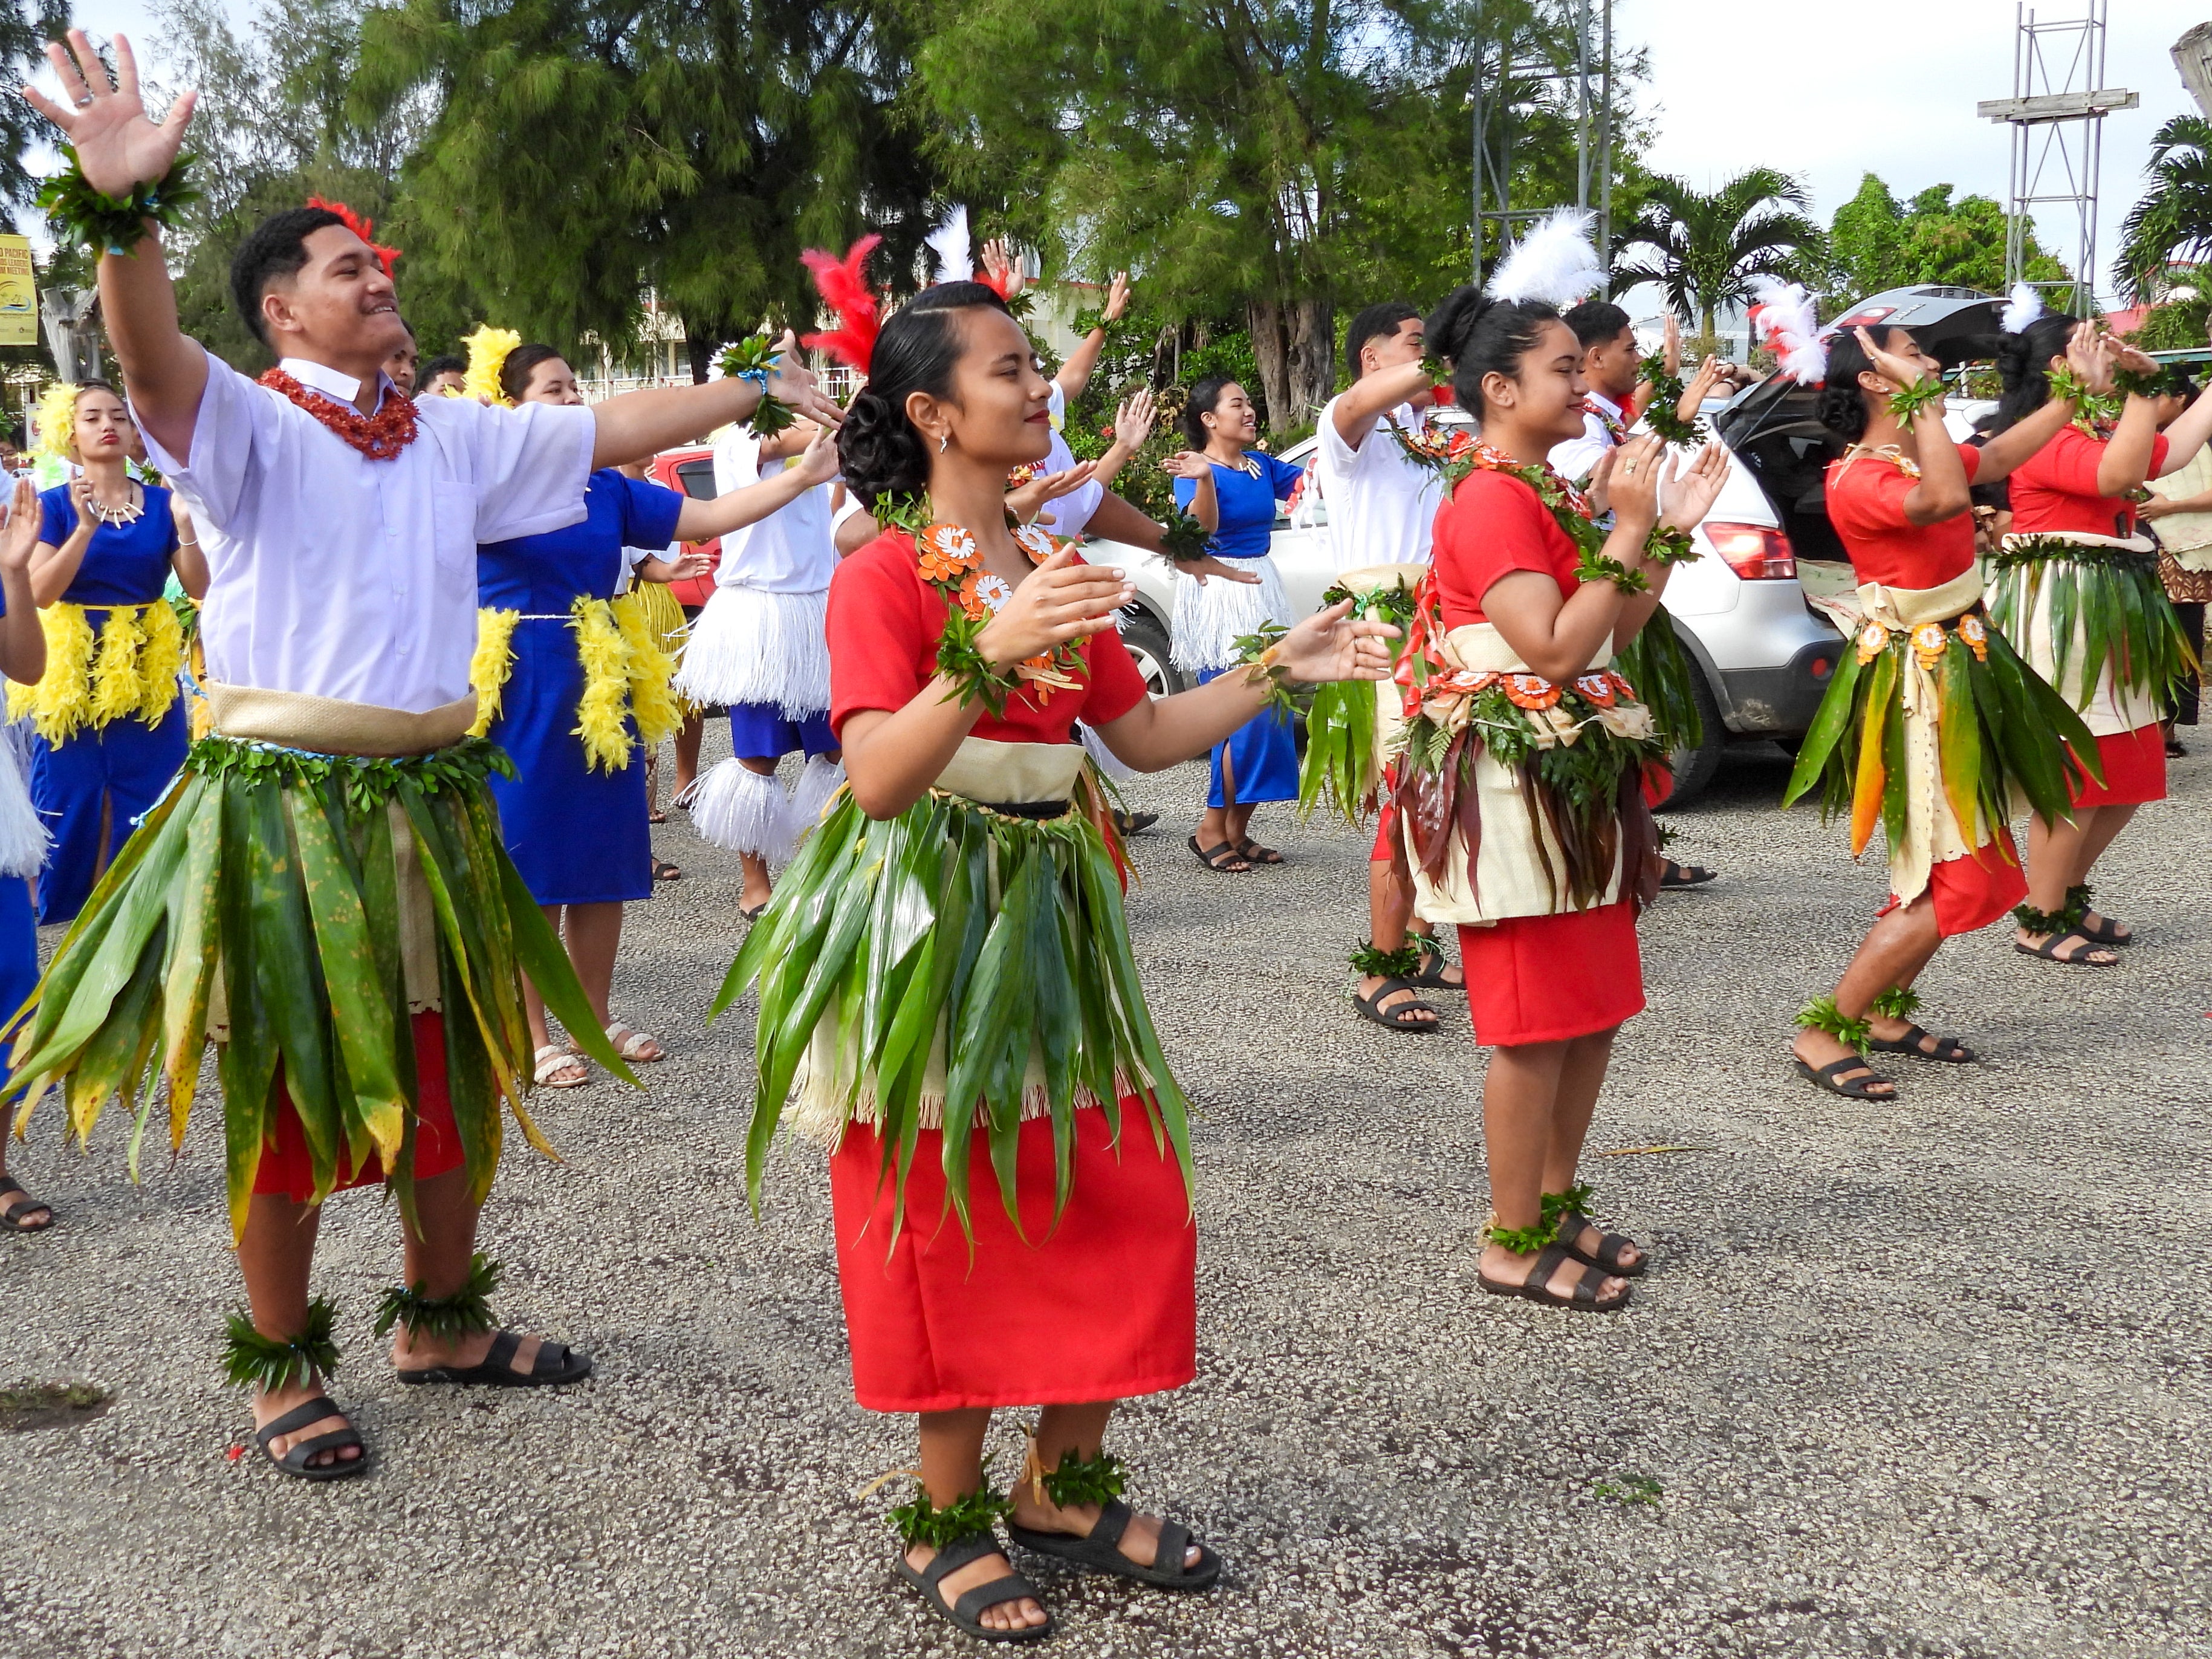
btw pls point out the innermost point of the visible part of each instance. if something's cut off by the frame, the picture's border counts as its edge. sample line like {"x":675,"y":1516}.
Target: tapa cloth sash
{"x":1933,"y":834}
{"x":2109,"y":707}
{"x":986,"y":771}
{"x":1509,"y":877}
{"x":332,"y":725}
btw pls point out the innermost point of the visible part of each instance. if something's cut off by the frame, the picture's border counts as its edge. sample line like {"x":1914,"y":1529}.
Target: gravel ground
{"x":1919,"y":1380}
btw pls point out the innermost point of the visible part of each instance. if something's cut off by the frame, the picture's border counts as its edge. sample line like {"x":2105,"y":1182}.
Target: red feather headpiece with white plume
{"x":843,"y":286}
{"x":360,"y":227}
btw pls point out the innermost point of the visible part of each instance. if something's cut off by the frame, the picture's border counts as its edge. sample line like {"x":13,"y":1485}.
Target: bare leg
{"x":687,"y":737}
{"x":1521,"y":1119}
{"x":437,"y":1263}
{"x":1389,"y":912}
{"x":1895,"y":949}
{"x":756,"y":887}
{"x":1079,"y":1429}
{"x":2057,"y":854}
{"x":951,"y":1468}
{"x":1581,"y":1078}
{"x":1215,"y":826}
{"x":2110,"y":821}
{"x":276,"y":1254}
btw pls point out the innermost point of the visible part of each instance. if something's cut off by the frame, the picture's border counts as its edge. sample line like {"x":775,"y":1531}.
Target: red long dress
{"x":2054,"y":492}
{"x":1102,"y":1307}
{"x":1529,"y":979}
{"x":1866,"y":504}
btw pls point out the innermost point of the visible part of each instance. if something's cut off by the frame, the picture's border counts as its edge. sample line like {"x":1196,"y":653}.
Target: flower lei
{"x":379,"y":436}
{"x":947,"y":558}
{"x":113,"y":224}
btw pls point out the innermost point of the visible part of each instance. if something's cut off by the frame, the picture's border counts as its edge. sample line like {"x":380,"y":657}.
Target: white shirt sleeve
{"x":1338,"y":459}
{"x":1573,"y":459}
{"x":1068,"y":515}
{"x":230,"y":440}
{"x":528,"y":465}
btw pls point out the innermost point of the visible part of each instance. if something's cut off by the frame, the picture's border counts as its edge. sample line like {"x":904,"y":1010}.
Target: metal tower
{"x":2057,"y":113}
{"x":1517,"y":62}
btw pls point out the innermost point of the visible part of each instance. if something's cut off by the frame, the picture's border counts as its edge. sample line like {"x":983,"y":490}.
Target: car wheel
{"x":1148,"y":643}
{"x":1694,"y":767}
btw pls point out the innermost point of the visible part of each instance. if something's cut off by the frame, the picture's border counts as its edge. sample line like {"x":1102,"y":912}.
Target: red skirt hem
{"x":1548,"y":979}
{"x":1975,"y":889}
{"x":287,"y":1171}
{"x":2135,"y":770}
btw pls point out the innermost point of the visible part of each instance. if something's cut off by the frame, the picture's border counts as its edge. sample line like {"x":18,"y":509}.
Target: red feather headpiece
{"x":995,"y":281}
{"x":843,"y":285}
{"x":360,"y":227}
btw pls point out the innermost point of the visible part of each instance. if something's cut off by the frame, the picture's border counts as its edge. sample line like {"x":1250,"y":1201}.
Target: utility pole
{"x":1589,"y":79}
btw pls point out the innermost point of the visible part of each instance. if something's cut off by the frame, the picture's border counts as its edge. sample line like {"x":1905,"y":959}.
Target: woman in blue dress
{"x":108,"y":722}
{"x":1232,"y":491}
{"x":573,"y":683}
{"x":22,"y":836}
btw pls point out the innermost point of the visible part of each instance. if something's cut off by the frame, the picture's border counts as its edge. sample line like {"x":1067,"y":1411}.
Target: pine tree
{"x":25,"y":25}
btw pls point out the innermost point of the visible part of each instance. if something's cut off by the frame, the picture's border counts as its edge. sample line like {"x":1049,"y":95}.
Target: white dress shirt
{"x":793,"y":549}
{"x":336,"y":575}
{"x":1382,"y":506}
{"x":1573,"y":459}
{"x":1071,"y":514}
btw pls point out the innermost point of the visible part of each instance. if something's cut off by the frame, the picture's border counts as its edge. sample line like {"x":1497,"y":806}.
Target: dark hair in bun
{"x":1481,"y":336}
{"x":879,"y":450}
{"x":2024,"y":361}
{"x":521,"y":363}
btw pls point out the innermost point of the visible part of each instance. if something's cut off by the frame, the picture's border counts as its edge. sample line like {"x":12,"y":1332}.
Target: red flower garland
{"x":379,"y":436}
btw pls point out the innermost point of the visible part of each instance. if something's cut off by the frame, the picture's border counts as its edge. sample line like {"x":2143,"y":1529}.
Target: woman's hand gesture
{"x":791,"y":383}
{"x":80,"y":499}
{"x":1199,"y":569}
{"x":1062,"y":599}
{"x":1026,"y":502}
{"x":1132,"y":420}
{"x":1187,"y":464}
{"x":1900,"y":372}
{"x":22,"y":533}
{"x":1690,"y":496}
{"x":1640,"y":467}
{"x":818,"y":462}
{"x":1333,"y":645}
{"x":106,"y":121}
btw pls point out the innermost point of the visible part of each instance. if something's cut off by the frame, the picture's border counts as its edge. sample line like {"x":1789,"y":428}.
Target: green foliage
{"x":1876,"y":242}
{"x":466,"y":1312}
{"x":1703,"y":247}
{"x":2172,"y":222}
{"x":253,"y":1360}
{"x":1635,"y":1489}
{"x":25,"y":25}
{"x":2178,"y":325}
{"x":920,"y":1522}
{"x":1083,"y":1480}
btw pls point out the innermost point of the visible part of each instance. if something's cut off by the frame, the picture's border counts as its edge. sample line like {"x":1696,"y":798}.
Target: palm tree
{"x":1706,"y":246}
{"x":2173,"y":221}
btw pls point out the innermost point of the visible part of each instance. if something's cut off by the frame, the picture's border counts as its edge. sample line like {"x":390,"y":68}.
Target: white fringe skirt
{"x":23,"y":836}
{"x":1209,"y":619}
{"x":752,"y":645}
{"x":734,"y":807}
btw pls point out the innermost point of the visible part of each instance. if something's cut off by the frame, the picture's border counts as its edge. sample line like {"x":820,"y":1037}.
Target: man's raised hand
{"x":106,"y":122}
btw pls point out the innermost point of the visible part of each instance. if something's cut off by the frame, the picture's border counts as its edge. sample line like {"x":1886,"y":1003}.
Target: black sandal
{"x":753,"y":914}
{"x":10,"y":1216}
{"x":1947,"y":1049}
{"x":2082,"y":958}
{"x":964,"y":1613}
{"x":1609,"y":1247}
{"x":1217,"y":858}
{"x":1430,"y":974}
{"x":2106,"y":932}
{"x":1537,"y":1287}
{"x":1684,"y":875}
{"x":295,"y":1461}
{"x":1827,"y":1077}
{"x":664,"y":871}
{"x":1393,"y":1018}
{"x":1252,"y":853}
{"x":1099,"y":1549}
{"x":497,"y":1369}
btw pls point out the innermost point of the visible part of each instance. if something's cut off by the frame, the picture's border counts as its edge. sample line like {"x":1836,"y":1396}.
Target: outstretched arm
{"x":1075,"y":374}
{"x":119,"y":149}
{"x":639,"y":424}
{"x":701,"y":521}
{"x":22,"y":637}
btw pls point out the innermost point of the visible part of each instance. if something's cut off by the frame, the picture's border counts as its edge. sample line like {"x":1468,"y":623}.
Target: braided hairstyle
{"x":521,"y":363}
{"x":879,"y":449}
{"x":2024,"y":361}
{"x":1480,"y":336}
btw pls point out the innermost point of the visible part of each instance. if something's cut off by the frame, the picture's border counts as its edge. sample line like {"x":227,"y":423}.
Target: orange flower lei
{"x":947,"y":558}
{"x":379,"y":436}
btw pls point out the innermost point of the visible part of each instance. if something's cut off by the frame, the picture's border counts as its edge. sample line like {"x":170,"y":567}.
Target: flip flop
{"x":1393,"y":1018}
{"x":294,"y":1461}
{"x":1252,"y":853}
{"x":11,"y":1215}
{"x":965,"y":1614}
{"x":664,"y":871}
{"x":1685,"y":875}
{"x":552,"y":1057}
{"x":1829,"y":1077}
{"x":1948,"y":1050}
{"x":1216,"y":858}
{"x":496,"y":1370}
{"x":2082,"y":958}
{"x":1099,"y":1549}
{"x":1537,"y":1287}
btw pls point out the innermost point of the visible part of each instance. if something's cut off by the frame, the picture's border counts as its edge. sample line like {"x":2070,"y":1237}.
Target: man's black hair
{"x":446,"y":363}
{"x":1382,"y":318}
{"x":1595,"y":322}
{"x":277,"y":248}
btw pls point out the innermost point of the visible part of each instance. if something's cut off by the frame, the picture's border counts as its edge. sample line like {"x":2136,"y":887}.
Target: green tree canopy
{"x":2172,"y":222}
{"x":25,"y":25}
{"x":1875,"y":242}
{"x":578,"y":152}
{"x":1704,"y":247}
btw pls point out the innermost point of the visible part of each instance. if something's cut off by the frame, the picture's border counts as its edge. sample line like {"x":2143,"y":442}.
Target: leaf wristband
{"x":1662,"y":417}
{"x":2135,"y":383}
{"x":1183,"y":539}
{"x":1910,"y":401}
{"x":1668,"y":545}
{"x":1596,"y":567}
{"x":752,"y":359}
{"x":86,"y":217}
{"x":1256,"y":653}
{"x":960,"y":661}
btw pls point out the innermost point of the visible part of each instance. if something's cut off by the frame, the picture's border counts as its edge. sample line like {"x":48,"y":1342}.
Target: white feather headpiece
{"x":1788,"y":326}
{"x":956,"y":262}
{"x":2022,"y":309}
{"x":1555,"y":262}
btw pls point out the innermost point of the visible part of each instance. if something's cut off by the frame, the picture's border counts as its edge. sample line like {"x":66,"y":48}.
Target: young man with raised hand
{"x":341,"y":917}
{"x":1381,"y":508}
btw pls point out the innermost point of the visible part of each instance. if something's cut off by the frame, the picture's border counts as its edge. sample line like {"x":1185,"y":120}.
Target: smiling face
{"x":1614,"y":366}
{"x":338,"y":309}
{"x":998,"y":412}
{"x":103,"y":428}
{"x":1898,"y":343}
{"x":1543,"y":397}
{"x":551,"y":382}
{"x":1232,"y":419}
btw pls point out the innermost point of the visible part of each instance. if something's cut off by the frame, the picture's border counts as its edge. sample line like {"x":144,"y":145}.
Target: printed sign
{"x":19,"y":293}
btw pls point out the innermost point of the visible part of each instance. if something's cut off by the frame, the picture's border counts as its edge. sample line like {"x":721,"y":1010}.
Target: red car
{"x":692,"y":471}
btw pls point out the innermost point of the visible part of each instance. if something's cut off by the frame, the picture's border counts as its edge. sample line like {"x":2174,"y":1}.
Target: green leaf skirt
{"x":952,"y":954}
{"x":265,"y":894}
{"x":1657,"y":665}
{"x":2108,"y":607}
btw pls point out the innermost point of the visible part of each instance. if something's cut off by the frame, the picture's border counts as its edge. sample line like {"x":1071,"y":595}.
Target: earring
{"x":943,"y":438}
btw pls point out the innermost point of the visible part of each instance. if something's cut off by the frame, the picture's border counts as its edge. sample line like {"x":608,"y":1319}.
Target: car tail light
{"x":1756,"y":552}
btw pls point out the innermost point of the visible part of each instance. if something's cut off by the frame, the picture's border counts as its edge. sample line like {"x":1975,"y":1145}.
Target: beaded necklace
{"x":379,"y":436}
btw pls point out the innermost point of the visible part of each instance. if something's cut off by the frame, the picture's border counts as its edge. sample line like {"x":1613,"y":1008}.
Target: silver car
{"x":1767,"y":655}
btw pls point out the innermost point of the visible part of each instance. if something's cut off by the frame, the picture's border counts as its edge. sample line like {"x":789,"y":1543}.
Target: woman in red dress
{"x":948,"y":954}
{"x":1899,"y":498}
{"x":2076,"y":589}
{"x":1519,"y":786}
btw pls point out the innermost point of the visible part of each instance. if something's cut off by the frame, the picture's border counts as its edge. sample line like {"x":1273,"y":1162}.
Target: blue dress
{"x":1262,"y":754}
{"x":126,"y":765}
{"x":578,"y":837}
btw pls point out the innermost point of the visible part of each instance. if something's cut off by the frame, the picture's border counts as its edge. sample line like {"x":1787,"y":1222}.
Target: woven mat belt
{"x":332,"y":725}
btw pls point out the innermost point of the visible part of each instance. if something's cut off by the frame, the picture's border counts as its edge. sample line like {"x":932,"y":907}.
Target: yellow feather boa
{"x":488,"y":352}
{"x":130,"y":671}
{"x":626,"y":675}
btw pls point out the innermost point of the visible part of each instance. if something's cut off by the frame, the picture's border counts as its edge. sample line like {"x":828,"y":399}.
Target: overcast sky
{"x":1737,"y":82}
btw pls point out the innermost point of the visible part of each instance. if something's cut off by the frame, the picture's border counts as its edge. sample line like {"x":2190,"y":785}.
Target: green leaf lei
{"x":1402,"y":963}
{"x":2048,"y":922}
{"x":1898,"y":1002}
{"x":959,"y":661}
{"x":366,"y":782}
{"x":1184,"y":539}
{"x":753,"y":359}
{"x":920,"y":1522}
{"x":263,"y":1362}
{"x":1821,"y":1014}
{"x":466,"y":1312}
{"x":907,"y":510}
{"x":1573,"y":1201}
{"x":1668,"y":545}
{"x":1667,"y":391}
{"x":85,"y":217}
{"x":2092,"y":409}
{"x":2135,"y":383}
{"x":1920,"y":395}
{"x":1518,"y":1241}
{"x":1081,"y":1480}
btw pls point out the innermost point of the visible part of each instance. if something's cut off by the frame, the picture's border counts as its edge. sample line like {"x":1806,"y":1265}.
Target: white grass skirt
{"x":1209,"y":619}
{"x":752,"y":645}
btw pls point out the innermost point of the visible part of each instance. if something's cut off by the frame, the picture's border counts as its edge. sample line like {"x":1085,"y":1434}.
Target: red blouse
{"x":1493,"y":525}
{"x":884,"y":622}
{"x":2055,"y":489}
{"x":1866,"y":504}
